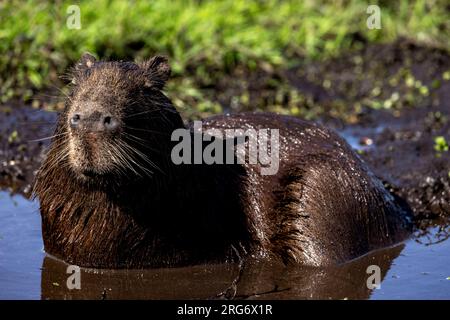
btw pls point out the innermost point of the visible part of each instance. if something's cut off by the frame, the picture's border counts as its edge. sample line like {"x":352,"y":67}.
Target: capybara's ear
{"x":157,"y":72}
{"x":86,"y":61}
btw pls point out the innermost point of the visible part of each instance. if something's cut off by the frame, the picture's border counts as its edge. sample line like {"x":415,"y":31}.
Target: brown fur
{"x":101,"y":210}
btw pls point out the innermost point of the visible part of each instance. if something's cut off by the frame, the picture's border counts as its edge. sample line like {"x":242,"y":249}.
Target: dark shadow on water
{"x":260,"y":280}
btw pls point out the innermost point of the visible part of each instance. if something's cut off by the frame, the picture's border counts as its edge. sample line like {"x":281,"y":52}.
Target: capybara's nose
{"x":94,"y":122}
{"x":109,"y":123}
{"x":75,"y":120}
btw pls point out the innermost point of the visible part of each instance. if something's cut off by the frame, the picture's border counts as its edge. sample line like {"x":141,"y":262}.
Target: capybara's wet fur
{"x":111,"y":197}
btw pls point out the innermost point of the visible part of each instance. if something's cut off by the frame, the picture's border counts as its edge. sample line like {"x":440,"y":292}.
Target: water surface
{"x":416,"y":269}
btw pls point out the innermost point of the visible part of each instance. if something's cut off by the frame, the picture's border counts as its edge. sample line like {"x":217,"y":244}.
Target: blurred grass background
{"x":205,"y":40}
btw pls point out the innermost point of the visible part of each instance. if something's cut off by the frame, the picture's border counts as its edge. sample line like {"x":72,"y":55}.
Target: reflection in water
{"x":260,"y":280}
{"x":436,"y":232}
{"x":417,"y":269}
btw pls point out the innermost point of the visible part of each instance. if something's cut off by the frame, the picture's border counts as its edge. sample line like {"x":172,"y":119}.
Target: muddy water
{"x":416,"y":269}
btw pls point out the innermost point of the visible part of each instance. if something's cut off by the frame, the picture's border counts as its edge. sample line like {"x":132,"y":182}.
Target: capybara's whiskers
{"x":141,"y":113}
{"x":141,"y":156}
{"x":141,"y":142}
{"x":149,"y":131}
{"x":129,"y":161}
{"x":48,"y":138}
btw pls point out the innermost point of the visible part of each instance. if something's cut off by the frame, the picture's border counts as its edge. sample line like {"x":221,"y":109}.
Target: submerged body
{"x":112,"y":198}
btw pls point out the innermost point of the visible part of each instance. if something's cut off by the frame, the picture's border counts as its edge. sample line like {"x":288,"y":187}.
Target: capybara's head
{"x":117,"y":121}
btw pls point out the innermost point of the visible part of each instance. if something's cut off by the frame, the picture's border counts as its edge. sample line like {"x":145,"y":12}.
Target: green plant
{"x":205,"y":40}
{"x":440,"y":144}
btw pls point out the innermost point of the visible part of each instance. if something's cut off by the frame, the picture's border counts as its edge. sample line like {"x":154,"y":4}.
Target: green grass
{"x":204,"y":39}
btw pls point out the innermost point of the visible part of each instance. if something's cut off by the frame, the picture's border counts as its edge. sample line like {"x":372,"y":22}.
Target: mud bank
{"x":405,"y":157}
{"x":24,"y":133}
